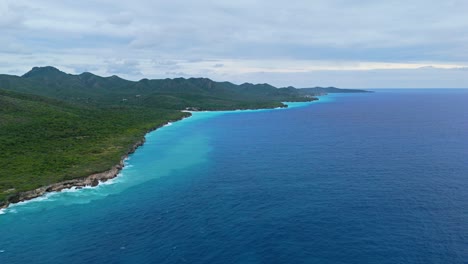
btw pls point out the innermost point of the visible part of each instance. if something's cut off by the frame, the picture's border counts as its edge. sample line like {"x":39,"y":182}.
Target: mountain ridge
{"x":90,"y":88}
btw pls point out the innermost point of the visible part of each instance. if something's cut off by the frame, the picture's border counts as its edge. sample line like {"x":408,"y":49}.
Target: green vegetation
{"x":177,"y":94}
{"x":46,"y":141}
{"x":56,"y":126}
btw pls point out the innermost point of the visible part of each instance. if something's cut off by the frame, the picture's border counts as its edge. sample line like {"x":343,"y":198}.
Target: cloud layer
{"x":301,"y":43}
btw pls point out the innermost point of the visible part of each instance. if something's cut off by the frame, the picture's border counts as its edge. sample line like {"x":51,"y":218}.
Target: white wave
{"x":72,"y":190}
{"x":168,"y":124}
{"x":52,"y":196}
{"x":44,"y":197}
{"x":108,"y":182}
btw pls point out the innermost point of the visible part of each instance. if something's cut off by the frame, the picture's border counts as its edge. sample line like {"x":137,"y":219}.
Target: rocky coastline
{"x":96,"y":178}
{"x":90,"y":180}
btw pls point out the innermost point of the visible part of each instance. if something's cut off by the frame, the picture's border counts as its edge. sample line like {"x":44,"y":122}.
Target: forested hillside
{"x":44,"y":141}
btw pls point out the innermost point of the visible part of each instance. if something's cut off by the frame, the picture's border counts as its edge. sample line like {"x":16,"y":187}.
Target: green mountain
{"x":178,"y":93}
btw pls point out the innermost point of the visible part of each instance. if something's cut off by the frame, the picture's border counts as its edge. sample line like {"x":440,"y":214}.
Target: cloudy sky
{"x":367,"y":44}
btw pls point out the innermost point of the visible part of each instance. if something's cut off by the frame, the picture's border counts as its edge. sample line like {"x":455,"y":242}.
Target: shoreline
{"x":95,"y":179}
{"x":92,"y":180}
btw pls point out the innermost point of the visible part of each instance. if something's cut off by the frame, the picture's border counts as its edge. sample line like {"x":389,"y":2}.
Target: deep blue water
{"x":359,"y":178}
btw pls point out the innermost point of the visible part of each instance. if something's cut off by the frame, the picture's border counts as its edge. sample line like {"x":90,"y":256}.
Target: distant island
{"x":60,"y":130}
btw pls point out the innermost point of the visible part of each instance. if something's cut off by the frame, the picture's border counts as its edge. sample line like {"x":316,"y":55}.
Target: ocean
{"x":353,"y":178}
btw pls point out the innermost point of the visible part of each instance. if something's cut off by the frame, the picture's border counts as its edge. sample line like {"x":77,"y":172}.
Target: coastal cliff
{"x":58,"y":127}
{"x":90,"y":180}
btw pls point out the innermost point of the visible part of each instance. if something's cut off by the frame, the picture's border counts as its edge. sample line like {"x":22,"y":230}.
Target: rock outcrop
{"x":91,"y":180}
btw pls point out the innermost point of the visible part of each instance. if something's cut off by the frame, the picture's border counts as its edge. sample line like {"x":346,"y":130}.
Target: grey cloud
{"x":164,"y":62}
{"x":125,"y":67}
{"x":195,"y":60}
{"x":177,"y":74}
{"x":186,"y":31}
{"x":11,"y":45}
{"x":392,"y":78}
{"x":121,"y":19}
{"x":11,"y":15}
{"x":80,"y":68}
{"x":246,"y":28}
{"x":162,"y":65}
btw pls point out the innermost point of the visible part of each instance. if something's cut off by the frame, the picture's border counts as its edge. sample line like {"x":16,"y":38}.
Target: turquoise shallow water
{"x":176,"y":146}
{"x":361,"y":178}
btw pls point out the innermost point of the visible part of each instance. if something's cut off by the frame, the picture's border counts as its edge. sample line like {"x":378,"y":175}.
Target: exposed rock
{"x":94,"y":183}
{"x":91,"y":180}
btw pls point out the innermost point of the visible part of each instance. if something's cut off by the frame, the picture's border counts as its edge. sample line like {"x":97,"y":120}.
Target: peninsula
{"x":60,"y":130}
